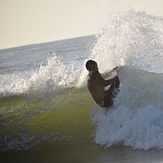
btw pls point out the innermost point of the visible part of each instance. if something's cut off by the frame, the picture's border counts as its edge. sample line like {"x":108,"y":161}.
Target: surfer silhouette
{"x":96,"y":85}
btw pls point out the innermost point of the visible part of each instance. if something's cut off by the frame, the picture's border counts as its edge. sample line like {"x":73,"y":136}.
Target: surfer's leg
{"x":111,"y":93}
{"x":108,"y":96}
{"x":108,"y":101}
{"x":113,"y":88}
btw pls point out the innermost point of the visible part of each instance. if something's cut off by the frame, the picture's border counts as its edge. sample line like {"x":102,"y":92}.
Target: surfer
{"x":96,"y":85}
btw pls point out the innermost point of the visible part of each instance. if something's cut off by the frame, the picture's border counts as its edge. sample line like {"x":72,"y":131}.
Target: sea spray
{"x":130,"y":38}
{"x":49,"y":77}
{"x":134,"y":42}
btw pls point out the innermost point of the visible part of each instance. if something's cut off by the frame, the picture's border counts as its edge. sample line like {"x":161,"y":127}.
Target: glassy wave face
{"x":41,"y":98}
{"x":43,"y":94}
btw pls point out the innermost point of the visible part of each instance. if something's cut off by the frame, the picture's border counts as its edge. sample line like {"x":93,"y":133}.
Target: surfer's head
{"x":90,"y":65}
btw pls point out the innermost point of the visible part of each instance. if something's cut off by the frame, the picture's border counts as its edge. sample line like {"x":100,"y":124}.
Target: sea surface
{"x":48,"y":116}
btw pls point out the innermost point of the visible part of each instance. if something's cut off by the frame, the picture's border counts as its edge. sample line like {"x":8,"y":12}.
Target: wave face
{"x":134,"y":42}
{"x":41,"y":101}
{"x":50,"y":102}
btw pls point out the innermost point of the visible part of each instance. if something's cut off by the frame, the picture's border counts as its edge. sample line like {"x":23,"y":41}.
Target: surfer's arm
{"x":107,"y":74}
{"x":110,"y":81}
{"x":105,"y":82}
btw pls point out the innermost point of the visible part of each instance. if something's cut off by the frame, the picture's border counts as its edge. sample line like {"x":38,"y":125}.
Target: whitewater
{"x":44,"y":96}
{"x":133,"y":41}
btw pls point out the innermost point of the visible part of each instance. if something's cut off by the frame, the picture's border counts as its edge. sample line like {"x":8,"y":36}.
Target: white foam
{"x":134,"y":41}
{"x":48,"y":78}
{"x":130,"y":38}
{"x":140,"y":128}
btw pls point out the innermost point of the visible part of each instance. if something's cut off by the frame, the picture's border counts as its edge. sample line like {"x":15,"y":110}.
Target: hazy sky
{"x":25,"y":22}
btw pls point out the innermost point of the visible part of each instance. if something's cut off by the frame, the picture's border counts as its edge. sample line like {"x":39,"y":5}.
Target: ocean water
{"x":48,"y":115}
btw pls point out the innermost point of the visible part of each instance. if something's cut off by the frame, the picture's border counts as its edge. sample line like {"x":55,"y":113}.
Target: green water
{"x":64,"y":116}
{"x":63,"y":132}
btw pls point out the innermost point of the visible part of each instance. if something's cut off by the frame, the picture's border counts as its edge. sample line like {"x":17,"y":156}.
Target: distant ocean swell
{"x":53,"y":104}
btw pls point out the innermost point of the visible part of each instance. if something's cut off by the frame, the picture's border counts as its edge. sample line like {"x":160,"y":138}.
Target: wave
{"x":46,"y":105}
{"x":136,"y":117}
{"x":53,"y":103}
{"x":133,"y":41}
{"x":63,"y":117}
{"x":48,"y":77}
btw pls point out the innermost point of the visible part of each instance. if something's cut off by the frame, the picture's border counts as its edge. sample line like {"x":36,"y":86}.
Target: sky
{"x":24,"y":22}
